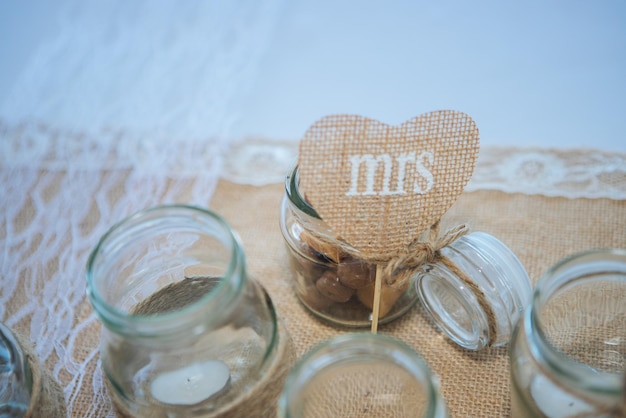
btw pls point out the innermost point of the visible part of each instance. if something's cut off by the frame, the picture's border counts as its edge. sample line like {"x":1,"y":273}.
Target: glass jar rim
{"x":306,"y":213}
{"x":343,"y":348}
{"x":546,"y":353}
{"x":12,"y":348}
{"x":292,"y":181}
{"x":167,"y":321}
{"x":475,"y":336}
{"x":16,"y":361}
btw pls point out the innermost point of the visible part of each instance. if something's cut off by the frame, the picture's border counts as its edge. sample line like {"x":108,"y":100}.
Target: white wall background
{"x":531,"y":73}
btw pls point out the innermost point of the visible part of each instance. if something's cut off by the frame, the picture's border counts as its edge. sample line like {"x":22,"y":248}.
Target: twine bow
{"x":423,"y":252}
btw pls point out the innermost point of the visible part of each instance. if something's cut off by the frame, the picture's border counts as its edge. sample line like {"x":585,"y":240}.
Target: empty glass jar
{"x":331,"y":283}
{"x":484,"y":312}
{"x":568,"y":353}
{"x":361,"y":375}
{"x":186,"y":332}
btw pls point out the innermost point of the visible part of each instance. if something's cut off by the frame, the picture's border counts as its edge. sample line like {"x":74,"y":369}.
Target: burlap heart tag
{"x":379,"y":186}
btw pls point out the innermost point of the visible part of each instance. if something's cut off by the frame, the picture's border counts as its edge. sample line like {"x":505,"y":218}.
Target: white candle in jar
{"x":555,"y":402}
{"x":191,"y":384}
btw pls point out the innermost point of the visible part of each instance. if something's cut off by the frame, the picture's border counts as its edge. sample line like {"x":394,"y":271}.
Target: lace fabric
{"x":574,"y":173}
{"x":565,"y":173}
{"x":168,"y":69}
{"x":45,"y":241}
{"x":556,"y":173}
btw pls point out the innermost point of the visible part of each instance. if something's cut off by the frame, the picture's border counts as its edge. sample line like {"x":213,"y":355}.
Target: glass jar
{"x":27,"y":389}
{"x":568,"y":353}
{"x":364,"y":375}
{"x":15,"y":376}
{"x":186,"y":332}
{"x":484,"y":312}
{"x":329,"y":277}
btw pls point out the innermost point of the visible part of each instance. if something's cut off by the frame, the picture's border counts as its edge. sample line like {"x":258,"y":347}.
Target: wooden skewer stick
{"x":376,"y":308}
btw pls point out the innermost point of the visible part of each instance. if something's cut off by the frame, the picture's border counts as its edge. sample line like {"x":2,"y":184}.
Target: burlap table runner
{"x":540,"y":230}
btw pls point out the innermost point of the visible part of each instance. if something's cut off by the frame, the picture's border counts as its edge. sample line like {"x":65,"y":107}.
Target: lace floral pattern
{"x":258,"y":161}
{"x":571,"y":173}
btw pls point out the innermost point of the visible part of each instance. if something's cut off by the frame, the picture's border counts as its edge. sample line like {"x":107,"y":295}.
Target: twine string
{"x":423,"y":252}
